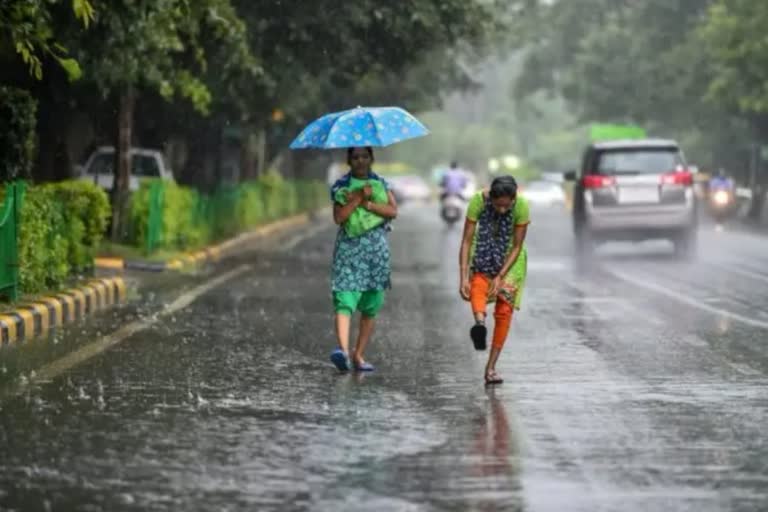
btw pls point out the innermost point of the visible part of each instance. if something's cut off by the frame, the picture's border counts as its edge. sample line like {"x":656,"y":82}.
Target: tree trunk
{"x":120,"y":187}
{"x":247,"y":154}
{"x":261,"y":145}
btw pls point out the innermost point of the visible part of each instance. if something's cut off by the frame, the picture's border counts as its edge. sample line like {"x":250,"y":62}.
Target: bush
{"x":86,"y":211}
{"x":272,"y":185}
{"x":62,"y":225}
{"x":184,"y":218}
{"x":42,"y":244}
{"x":191,"y":219}
{"x":251,"y":210}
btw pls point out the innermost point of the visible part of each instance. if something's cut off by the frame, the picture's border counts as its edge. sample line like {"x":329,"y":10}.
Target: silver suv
{"x":634,"y":190}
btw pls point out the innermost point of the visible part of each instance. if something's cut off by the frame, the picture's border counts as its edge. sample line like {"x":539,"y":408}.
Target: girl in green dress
{"x":361,"y":261}
{"x":493,"y":263}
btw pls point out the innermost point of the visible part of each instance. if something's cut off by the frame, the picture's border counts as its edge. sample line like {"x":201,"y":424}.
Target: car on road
{"x":634,"y":190}
{"x":409,"y":188}
{"x":543,"y":193}
{"x":145,"y":163}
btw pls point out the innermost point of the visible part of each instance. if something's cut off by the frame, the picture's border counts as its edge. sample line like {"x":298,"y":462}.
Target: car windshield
{"x":141,"y":165}
{"x":103,"y":163}
{"x":639,"y":161}
{"x":145,"y":166}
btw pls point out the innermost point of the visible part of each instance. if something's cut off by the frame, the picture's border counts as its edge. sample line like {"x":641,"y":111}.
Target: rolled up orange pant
{"x":478,"y":297}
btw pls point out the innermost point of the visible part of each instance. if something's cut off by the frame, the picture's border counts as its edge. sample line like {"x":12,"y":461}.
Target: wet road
{"x":641,"y":385}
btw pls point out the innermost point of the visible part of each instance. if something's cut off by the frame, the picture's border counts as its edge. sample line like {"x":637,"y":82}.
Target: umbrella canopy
{"x":358,"y":127}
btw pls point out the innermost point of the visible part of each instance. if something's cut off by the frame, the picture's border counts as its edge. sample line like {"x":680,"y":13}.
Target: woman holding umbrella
{"x":363,"y":206}
{"x":361,"y":263}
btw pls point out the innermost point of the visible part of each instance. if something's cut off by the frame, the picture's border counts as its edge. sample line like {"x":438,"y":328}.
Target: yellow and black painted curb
{"x":36,"y":318}
{"x":210,"y":254}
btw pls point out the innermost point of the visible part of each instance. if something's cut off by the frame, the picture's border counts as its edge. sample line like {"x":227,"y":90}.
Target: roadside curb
{"x":32,"y":319}
{"x":209,"y":254}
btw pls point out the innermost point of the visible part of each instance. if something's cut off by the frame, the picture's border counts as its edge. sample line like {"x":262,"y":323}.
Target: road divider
{"x":36,"y":317}
{"x":209,"y":254}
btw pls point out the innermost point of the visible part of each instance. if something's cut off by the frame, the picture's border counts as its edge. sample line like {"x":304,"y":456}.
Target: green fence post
{"x":10,"y":218}
{"x":155,"y":221}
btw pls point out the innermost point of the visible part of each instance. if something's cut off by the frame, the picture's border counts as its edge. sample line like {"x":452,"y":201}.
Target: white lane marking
{"x":689,"y":301}
{"x":296,"y":240}
{"x":300,"y":237}
{"x":56,"y":368}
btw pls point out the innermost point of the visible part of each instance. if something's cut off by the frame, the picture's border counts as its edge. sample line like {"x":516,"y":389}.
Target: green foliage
{"x":334,"y":56}
{"x":86,"y":213}
{"x":273,"y":186}
{"x":30,"y":27}
{"x":42,"y":246}
{"x":17,"y":133}
{"x":182,"y":217}
{"x":251,"y":210}
{"x":655,"y":63}
{"x":77,"y":214}
{"x":734,"y":34}
{"x":62,"y":224}
{"x":192,"y":220}
{"x":163,"y":45}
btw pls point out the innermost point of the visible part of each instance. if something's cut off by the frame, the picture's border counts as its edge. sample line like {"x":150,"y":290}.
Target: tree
{"x":640,"y":62}
{"x":26,"y":26}
{"x":158,"y":46}
{"x":734,"y":38}
{"x":331,"y":56}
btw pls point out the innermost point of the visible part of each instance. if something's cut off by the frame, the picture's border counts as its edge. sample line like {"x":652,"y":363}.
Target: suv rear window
{"x":638,"y":161}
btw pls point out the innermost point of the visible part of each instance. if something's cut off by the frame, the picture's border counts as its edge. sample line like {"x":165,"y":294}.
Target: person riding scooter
{"x":722,"y":198}
{"x":454,"y":182}
{"x":720,"y":181}
{"x":452,"y":202}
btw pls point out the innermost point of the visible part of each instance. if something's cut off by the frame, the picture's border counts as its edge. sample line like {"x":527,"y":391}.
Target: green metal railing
{"x":10,"y":211}
{"x":225,"y":212}
{"x":155,"y":221}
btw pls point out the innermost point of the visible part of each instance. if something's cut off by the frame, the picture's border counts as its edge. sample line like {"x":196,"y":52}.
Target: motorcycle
{"x":452,"y":208}
{"x":722,"y":204}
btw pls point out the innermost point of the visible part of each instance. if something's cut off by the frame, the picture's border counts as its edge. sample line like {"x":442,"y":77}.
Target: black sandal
{"x":492,"y":378}
{"x":479,"y":333}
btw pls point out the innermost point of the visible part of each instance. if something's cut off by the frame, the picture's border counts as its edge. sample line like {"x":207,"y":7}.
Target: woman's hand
{"x":355,"y":197}
{"x":495,"y":286}
{"x":367,"y":192}
{"x":465,"y":289}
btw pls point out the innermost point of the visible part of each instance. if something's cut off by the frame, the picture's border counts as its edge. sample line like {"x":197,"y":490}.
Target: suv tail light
{"x":598,"y":181}
{"x":678,"y":177}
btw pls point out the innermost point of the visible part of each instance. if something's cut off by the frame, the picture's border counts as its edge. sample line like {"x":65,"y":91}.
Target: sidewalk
{"x":36,"y":317}
{"x":209,"y":254}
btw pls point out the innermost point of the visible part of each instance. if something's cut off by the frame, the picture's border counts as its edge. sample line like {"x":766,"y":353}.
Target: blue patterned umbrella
{"x":375,"y":126}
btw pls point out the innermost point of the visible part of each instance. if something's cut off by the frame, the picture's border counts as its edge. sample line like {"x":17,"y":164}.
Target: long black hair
{"x":349,"y":154}
{"x":503,"y":186}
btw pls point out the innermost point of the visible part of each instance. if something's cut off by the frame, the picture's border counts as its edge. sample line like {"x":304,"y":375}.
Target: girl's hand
{"x":464,"y":290}
{"x":495,"y":287}
{"x":367,"y":192}
{"x":355,"y":197}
